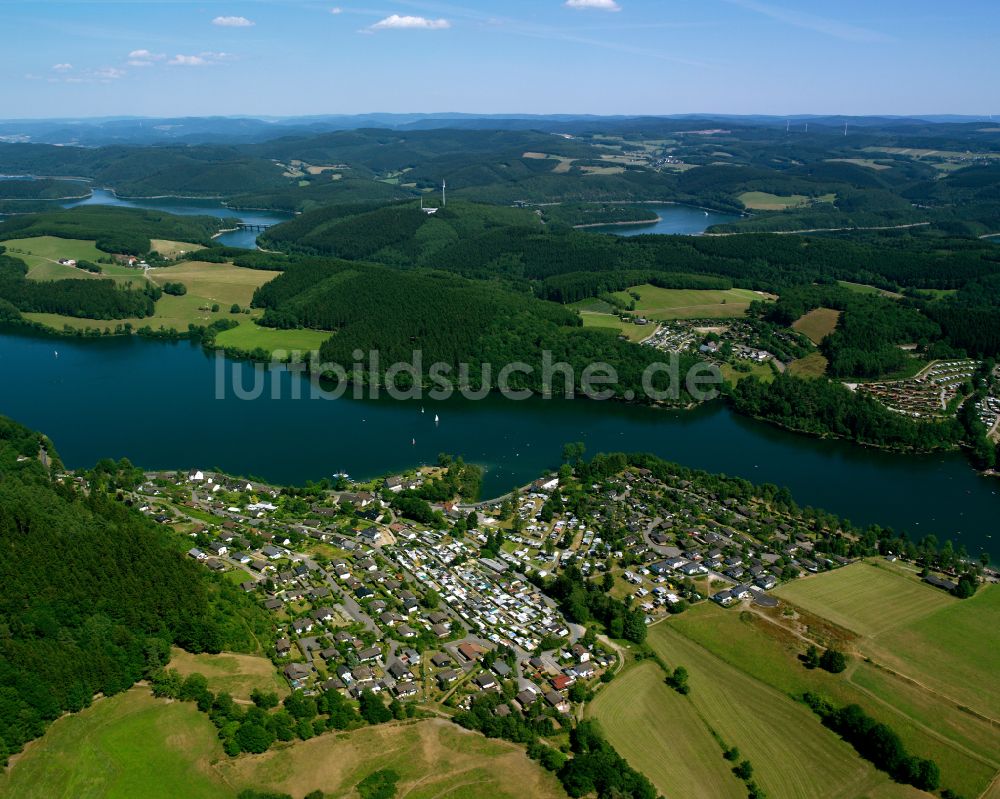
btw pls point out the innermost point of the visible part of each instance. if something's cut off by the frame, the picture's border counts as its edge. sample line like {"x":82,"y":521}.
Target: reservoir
{"x":155,"y":403}
{"x":186,"y":207}
{"x":678,"y":220}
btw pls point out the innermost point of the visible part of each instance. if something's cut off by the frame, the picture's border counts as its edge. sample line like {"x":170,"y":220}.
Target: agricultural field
{"x":660,"y":733}
{"x":817,"y":324}
{"x":207,"y":285}
{"x":870,"y":163}
{"x":864,"y":288}
{"x":233,"y":673}
{"x":249,"y":336}
{"x":631,"y":331}
{"x":952,"y":650}
{"x":42,"y":256}
{"x":763,"y":201}
{"x":433,"y":758}
{"x":792,"y":753}
{"x":766,"y":645}
{"x":762,"y":371}
{"x":133,"y":745}
{"x":657,"y":303}
{"x":813,"y":365}
{"x":865,"y":598}
{"x":222,"y":283}
{"x":173,"y":249}
{"x":126,"y":746}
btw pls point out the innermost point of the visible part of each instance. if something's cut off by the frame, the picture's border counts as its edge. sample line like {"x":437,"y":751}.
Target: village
{"x":367,"y":600}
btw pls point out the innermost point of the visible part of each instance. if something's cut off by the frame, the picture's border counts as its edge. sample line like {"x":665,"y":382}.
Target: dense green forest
{"x":873,"y":176}
{"x":115,"y":229}
{"x":825,"y":407}
{"x":86,"y":297}
{"x":450,"y":320}
{"x":94,"y":594}
{"x":43,"y":189}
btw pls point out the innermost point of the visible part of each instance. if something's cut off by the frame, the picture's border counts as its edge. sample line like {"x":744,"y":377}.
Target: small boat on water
{"x":413,"y":442}
{"x":436,"y":418}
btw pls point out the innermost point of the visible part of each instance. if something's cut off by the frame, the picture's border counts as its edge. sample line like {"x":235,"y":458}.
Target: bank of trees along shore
{"x":95,"y":594}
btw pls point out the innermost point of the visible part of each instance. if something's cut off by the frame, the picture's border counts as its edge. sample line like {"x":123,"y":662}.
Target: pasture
{"x":764,"y":201}
{"x":864,"y":288}
{"x":766,"y":646}
{"x":126,"y":746}
{"x":870,"y":163}
{"x":173,"y":249}
{"x":813,"y":365}
{"x":221,"y":283}
{"x":865,"y":598}
{"x":660,"y":733}
{"x":631,"y":331}
{"x":762,"y":371}
{"x":657,"y":303}
{"x":817,"y":324}
{"x":952,"y":649}
{"x":792,"y":753}
{"x":434,"y":758}
{"x":249,"y":336}
{"x":233,"y":673}
{"x":42,"y":256}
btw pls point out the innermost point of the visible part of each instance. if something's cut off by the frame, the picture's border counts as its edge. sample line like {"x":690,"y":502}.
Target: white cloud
{"x":599,"y":5}
{"x":187,"y":61}
{"x":233,"y":22}
{"x":336,"y":10}
{"x":396,"y":22}
{"x":201,"y":60}
{"x":62,"y":67}
{"x":144,"y":58}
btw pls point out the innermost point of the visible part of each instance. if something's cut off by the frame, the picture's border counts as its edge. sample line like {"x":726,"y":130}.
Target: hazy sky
{"x":174,"y":57}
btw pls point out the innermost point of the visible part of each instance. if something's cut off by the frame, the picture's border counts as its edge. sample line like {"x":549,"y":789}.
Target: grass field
{"x":207,"y":284}
{"x":172,"y":249}
{"x":865,"y":598}
{"x":133,"y":746}
{"x":42,"y":254}
{"x":236,"y":674}
{"x":817,"y":324}
{"x":762,"y":371}
{"x":866,"y":162}
{"x":249,"y":336}
{"x":792,"y":753}
{"x":763,"y":201}
{"x":434,"y":758}
{"x":611,"y":322}
{"x":657,"y":303}
{"x":813,"y":365}
{"x":124,"y":747}
{"x":952,"y":650}
{"x":864,"y":288}
{"x":221,"y":283}
{"x":660,"y":733}
{"x":964,"y":746}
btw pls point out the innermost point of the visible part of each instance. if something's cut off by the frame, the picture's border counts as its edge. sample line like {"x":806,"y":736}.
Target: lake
{"x":186,"y":207}
{"x":677,"y":220}
{"x":154,"y":402}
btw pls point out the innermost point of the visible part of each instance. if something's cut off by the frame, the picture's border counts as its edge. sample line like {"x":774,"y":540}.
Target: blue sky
{"x":174,"y":57}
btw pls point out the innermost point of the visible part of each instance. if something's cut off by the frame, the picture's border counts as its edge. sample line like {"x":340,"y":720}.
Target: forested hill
{"x":94,"y":594}
{"x":113,"y":228}
{"x":448,"y":319}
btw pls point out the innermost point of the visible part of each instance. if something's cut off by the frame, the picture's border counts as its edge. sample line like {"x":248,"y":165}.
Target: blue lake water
{"x":155,"y":403}
{"x":682,"y":220}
